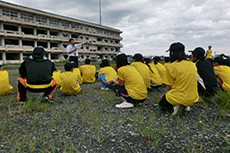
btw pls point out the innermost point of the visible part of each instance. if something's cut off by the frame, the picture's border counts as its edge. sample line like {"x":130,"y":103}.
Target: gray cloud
{"x":151,"y":26}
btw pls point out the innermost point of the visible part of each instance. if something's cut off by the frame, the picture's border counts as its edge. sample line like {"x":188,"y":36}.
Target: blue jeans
{"x":103,"y":81}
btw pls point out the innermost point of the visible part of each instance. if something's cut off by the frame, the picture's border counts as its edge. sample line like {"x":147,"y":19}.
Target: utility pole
{"x":100,"y":12}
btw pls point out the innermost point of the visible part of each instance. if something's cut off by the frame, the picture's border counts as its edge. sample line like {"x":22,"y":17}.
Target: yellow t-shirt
{"x":69,"y":84}
{"x":5,"y":87}
{"x":144,"y":72}
{"x":182,"y":76}
{"x":88,"y":73}
{"x":161,"y":69}
{"x":169,"y":63}
{"x":155,"y":76}
{"x":77,"y":72}
{"x":223,"y":72}
{"x":56,"y":77}
{"x":109,"y":73}
{"x":209,"y":54}
{"x":133,"y":82}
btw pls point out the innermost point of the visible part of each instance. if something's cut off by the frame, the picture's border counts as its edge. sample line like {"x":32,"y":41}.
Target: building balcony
{"x":57,"y":27}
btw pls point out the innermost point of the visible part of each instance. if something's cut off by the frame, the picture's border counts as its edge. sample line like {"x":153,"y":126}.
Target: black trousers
{"x":74,"y":59}
{"x":121,"y":91}
{"x":22,"y":89}
{"x":163,"y":103}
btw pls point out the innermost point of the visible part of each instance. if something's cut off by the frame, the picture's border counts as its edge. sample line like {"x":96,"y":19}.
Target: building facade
{"x":23,"y":28}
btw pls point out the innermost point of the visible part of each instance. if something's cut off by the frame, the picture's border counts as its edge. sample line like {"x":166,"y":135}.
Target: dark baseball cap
{"x":198,"y":51}
{"x":1,"y":64}
{"x":176,"y":47}
{"x":138,"y":57}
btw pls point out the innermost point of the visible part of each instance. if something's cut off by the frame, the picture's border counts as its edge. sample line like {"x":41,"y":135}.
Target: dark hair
{"x":167,"y":59}
{"x":87,"y":61}
{"x":138,"y":57}
{"x":147,"y":61}
{"x":156,"y":59}
{"x":121,"y":60}
{"x":71,"y":39}
{"x":68,"y":66}
{"x":177,"y":56}
{"x":226,"y":60}
{"x":105,"y":62}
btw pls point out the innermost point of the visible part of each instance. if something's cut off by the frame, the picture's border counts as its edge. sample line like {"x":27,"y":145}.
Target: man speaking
{"x":72,"y":50}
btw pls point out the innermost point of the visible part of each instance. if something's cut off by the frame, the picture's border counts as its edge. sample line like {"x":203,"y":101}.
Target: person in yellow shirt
{"x":77,"y":72}
{"x":69,"y":83}
{"x":156,"y":79}
{"x":181,"y":78}
{"x":56,"y":77}
{"x":142,"y":69}
{"x":5,"y":87}
{"x":105,"y":74}
{"x":88,"y":71}
{"x":222,"y":72}
{"x":167,"y":61}
{"x":209,"y":53}
{"x":160,"y":68}
{"x":129,"y":85}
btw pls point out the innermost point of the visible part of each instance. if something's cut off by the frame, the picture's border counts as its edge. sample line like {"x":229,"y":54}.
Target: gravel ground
{"x":89,"y":122}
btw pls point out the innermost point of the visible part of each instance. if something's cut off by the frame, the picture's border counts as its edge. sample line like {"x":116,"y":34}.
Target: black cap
{"x":1,"y":64}
{"x":198,"y":51}
{"x":167,"y":59}
{"x":68,"y":66}
{"x":138,"y":57}
{"x":105,"y":62}
{"x":176,"y":47}
{"x":147,"y":60}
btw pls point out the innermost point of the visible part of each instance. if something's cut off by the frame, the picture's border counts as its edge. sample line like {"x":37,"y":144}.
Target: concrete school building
{"x":23,"y":28}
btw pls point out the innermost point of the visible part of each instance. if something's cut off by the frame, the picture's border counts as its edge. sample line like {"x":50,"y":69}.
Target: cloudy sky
{"x":150,"y":26}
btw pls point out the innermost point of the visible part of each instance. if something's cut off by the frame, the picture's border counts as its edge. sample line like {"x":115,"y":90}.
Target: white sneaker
{"x":104,"y":88}
{"x":124,"y":104}
{"x":177,"y":110}
{"x":187,"y":109}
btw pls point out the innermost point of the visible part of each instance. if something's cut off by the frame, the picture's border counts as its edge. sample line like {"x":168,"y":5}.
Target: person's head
{"x":104,"y":63}
{"x":176,"y":52}
{"x":217,"y":61}
{"x":39,"y":52}
{"x":138,"y":57}
{"x":198,"y":54}
{"x":88,"y":61}
{"x":73,"y":64}
{"x":68,"y":66}
{"x":1,"y":67}
{"x":167,"y":59}
{"x":226,"y":60}
{"x":157,"y":59}
{"x":147,"y":60}
{"x":121,"y":60}
{"x":209,"y":47}
{"x":71,"y":41}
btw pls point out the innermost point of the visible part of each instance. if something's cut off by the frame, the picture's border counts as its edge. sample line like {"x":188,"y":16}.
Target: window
{"x":41,"y":20}
{"x":10,"y":13}
{"x":74,"y":26}
{"x":53,"y":22}
{"x":65,"y":24}
{"x":27,"y":17}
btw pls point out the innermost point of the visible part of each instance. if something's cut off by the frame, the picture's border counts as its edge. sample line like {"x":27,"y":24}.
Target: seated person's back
{"x":5,"y":87}
{"x":88,"y":71}
{"x":70,"y":85}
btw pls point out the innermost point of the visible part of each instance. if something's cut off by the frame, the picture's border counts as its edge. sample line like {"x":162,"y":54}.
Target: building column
{"x":4,"y":57}
{"x":19,"y":28}
{"x":48,"y":45}
{"x":3,"y":42}
{"x":48,"y":32}
{"x":49,"y":56}
{"x":1,"y":26}
{"x":21,"y":57}
{"x":35,"y":31}
{"x":61,"y":57}
{"x":35,"y":43}
{"x":20,"y":42}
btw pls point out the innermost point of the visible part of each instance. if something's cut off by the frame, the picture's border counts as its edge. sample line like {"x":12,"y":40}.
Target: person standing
{"x":72,"y":50}
{"x":209,"y":54}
